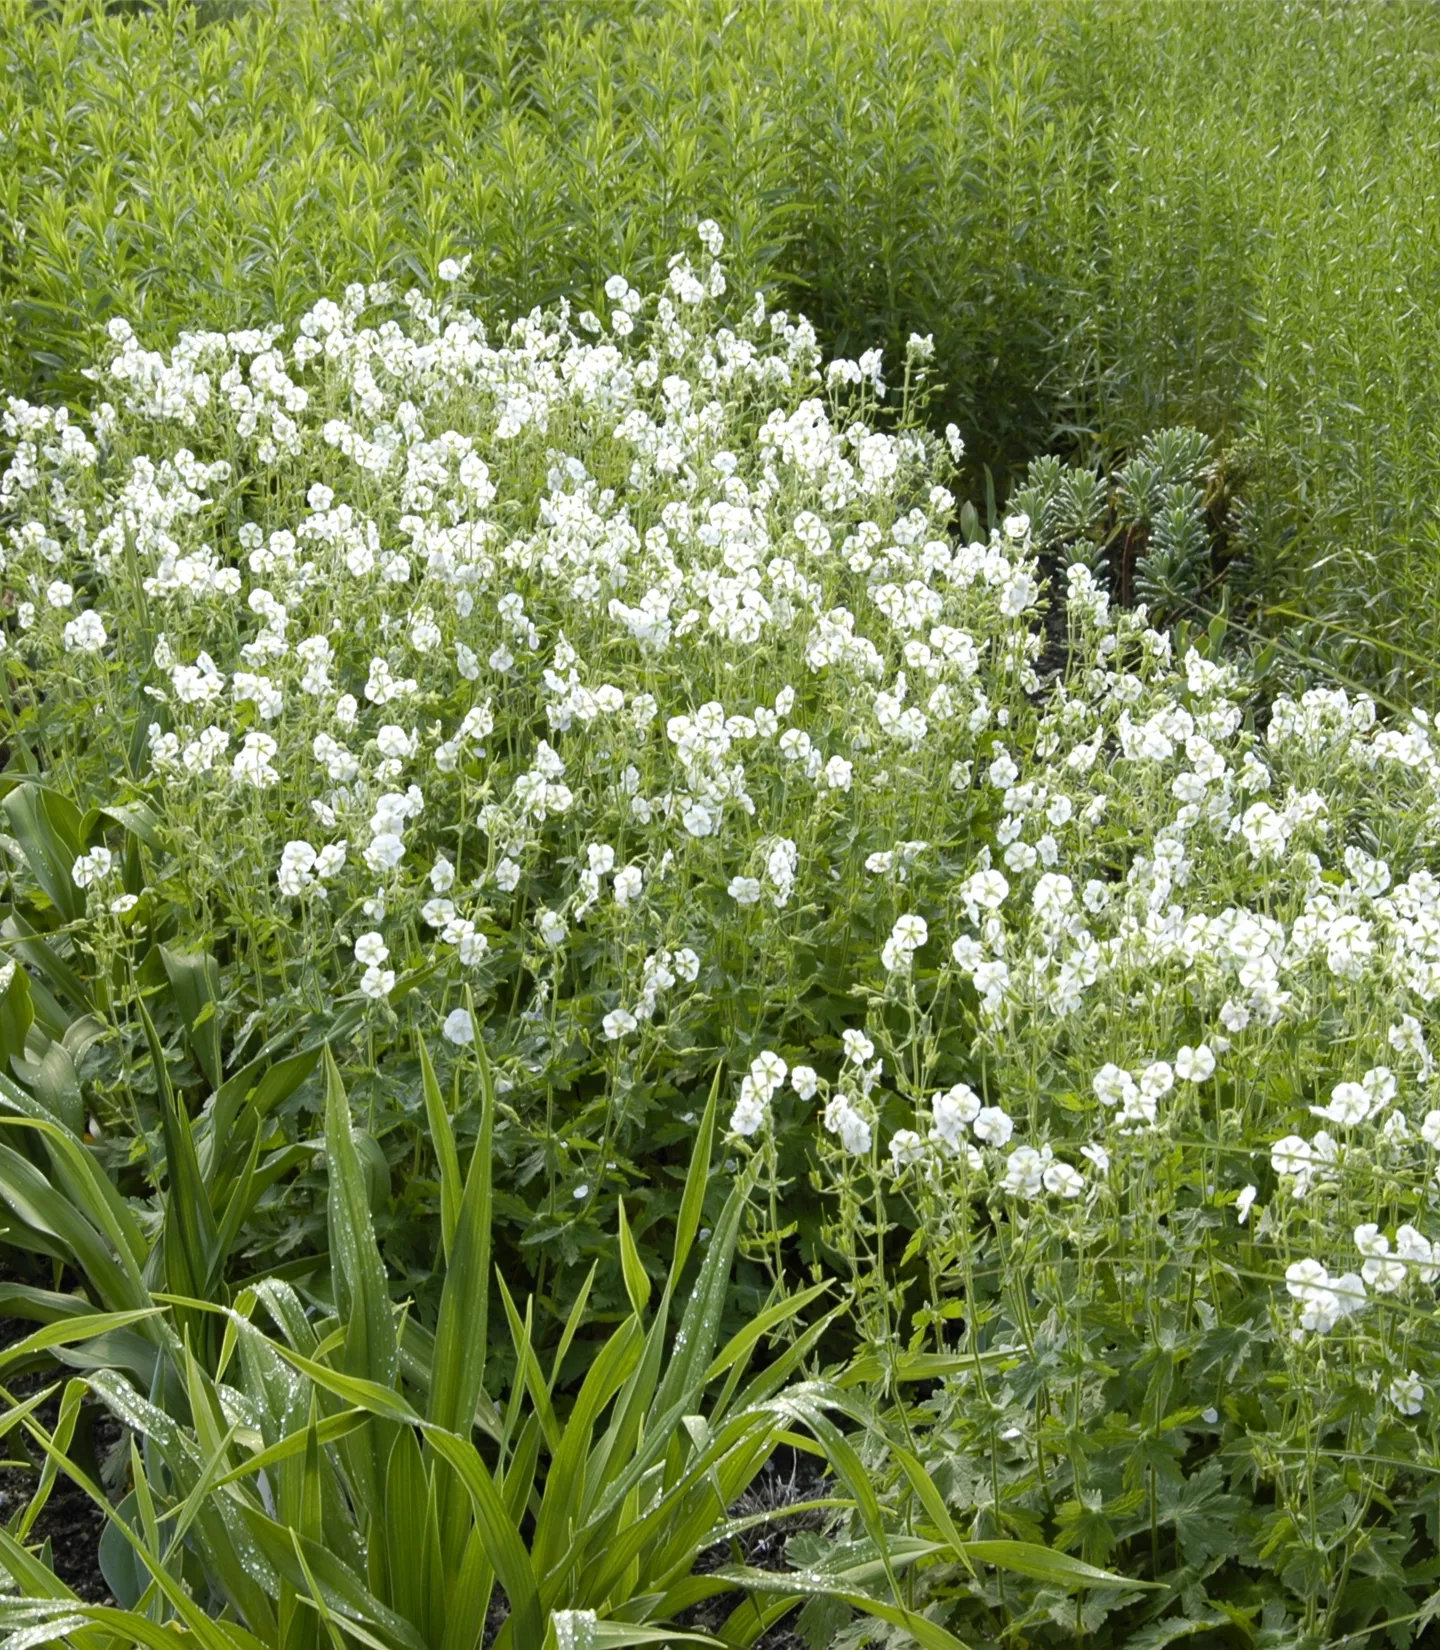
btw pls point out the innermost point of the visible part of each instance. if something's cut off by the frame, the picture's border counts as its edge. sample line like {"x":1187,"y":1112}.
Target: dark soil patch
{"x":789,"y":1479}
{"x":71,"y":1523}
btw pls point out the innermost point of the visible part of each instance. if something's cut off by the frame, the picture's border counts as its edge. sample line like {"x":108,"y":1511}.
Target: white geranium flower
{"x":459,"y":1027}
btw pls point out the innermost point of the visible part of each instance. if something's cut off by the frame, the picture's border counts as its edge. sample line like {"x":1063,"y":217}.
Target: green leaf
{"x":190,"y":1236}
{"x":1027,"y":1558}
{"x":796,"y":1585}
{"x":442,"y":1138}
{"x":362,"y":1298}
{"x":71,"y":1332}
{"x":637,"y":1279}
{"x":195,"y":980}
{"x":137,"y":817}
{"x":39,"y":1205}
{"x":260,"y":1086}
{"x":932,"y":1501}
{"x":697,"y":1180}
{"x":457,"y":1372}
{"x":504,"y":1545}
{"x":57,"y":1087}
{"x":48,"y":830}
{"x":17,"y":1013}
{"x":404,"y":1530}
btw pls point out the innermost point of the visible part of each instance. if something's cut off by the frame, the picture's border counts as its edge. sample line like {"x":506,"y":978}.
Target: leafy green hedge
{"x":1111,"y":217}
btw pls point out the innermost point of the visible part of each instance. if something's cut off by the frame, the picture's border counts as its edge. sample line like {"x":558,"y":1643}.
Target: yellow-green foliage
{"x":1111,"y":216}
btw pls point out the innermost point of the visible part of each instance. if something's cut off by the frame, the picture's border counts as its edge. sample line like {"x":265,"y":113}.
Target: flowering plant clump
{"x":611,"y":668}
{"x":1173,"y":1203}
{"x":628,"y":675}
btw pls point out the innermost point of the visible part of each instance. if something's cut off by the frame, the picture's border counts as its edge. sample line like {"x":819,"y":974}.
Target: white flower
{"x":1063,"y":1181}
{"x":1244,"y":1203}
{"x":804,"y":1081}
{"x":377,"y":982}
{"x":371,"y":950}
{"x":297,"y":868}
{"x":394,"y":742}
{"x":1349,"y":1105}
{"x":1194,"y":1065}
{"x":618,"y":1023}
{"x":1304,"y":1277}
{"x":1407,"y":1393}
{"x":744,"y":890}
{"x":992,"y":1126}
{"x":628,"y":884}
{"x":1157,"y":1080}
{"x":906,"y":1148}
{"x":1234,"y":1016}
{"x":951,"y":1112}
{"x":1024,"y":1172}
{"x":986,"y":889}
{"x":92,"y":867}
{"x":751,"y":1111}
{"x":1292,"y":1156}
{"x":909,"y":933}
{"x":853,"y":1128}
{"x":1381,"y":1271}
{"x":858,"y":1047}
{"x":1422,"y":1258}
{"x":767,"y":1071}
{"x":458,"y":1027}
{"x":85,"y":633}
{"x":1111,"y":1084}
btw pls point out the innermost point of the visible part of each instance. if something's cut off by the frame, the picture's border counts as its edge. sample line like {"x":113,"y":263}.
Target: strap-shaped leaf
{"x":195,"y":980}
{"x":47,"y":827}
{"x":697,"y":1180}
{"x":565,"y":1482}
{"x":404,"y":1531}
{"x":17,"y":1014}
{"x":458,"y":1373}
{"x":442,"y":1138}
{"x":362,"y":1298}
{"x":260,"y":1086}
{"x":700,"y":1327}
{"x":41,"y":1206}
{"x":71,"y":1331}
{"x":77,"y":1174}
{"x":305,"y":1563}
{"x":503,"y":1542}
{"x":1028,"y":1558}
{"x":798,"y":1584}
{"x":637,"y":1279}
{"x":190,"y":1246}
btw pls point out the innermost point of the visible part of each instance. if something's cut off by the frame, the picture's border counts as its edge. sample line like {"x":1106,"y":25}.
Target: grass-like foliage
{"x":1111,"y":216}
{"x":318,"y":1477}
{"x":609,"y":704}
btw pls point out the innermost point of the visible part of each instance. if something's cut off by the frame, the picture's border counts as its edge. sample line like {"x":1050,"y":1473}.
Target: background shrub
{"x":1111,"y":217}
